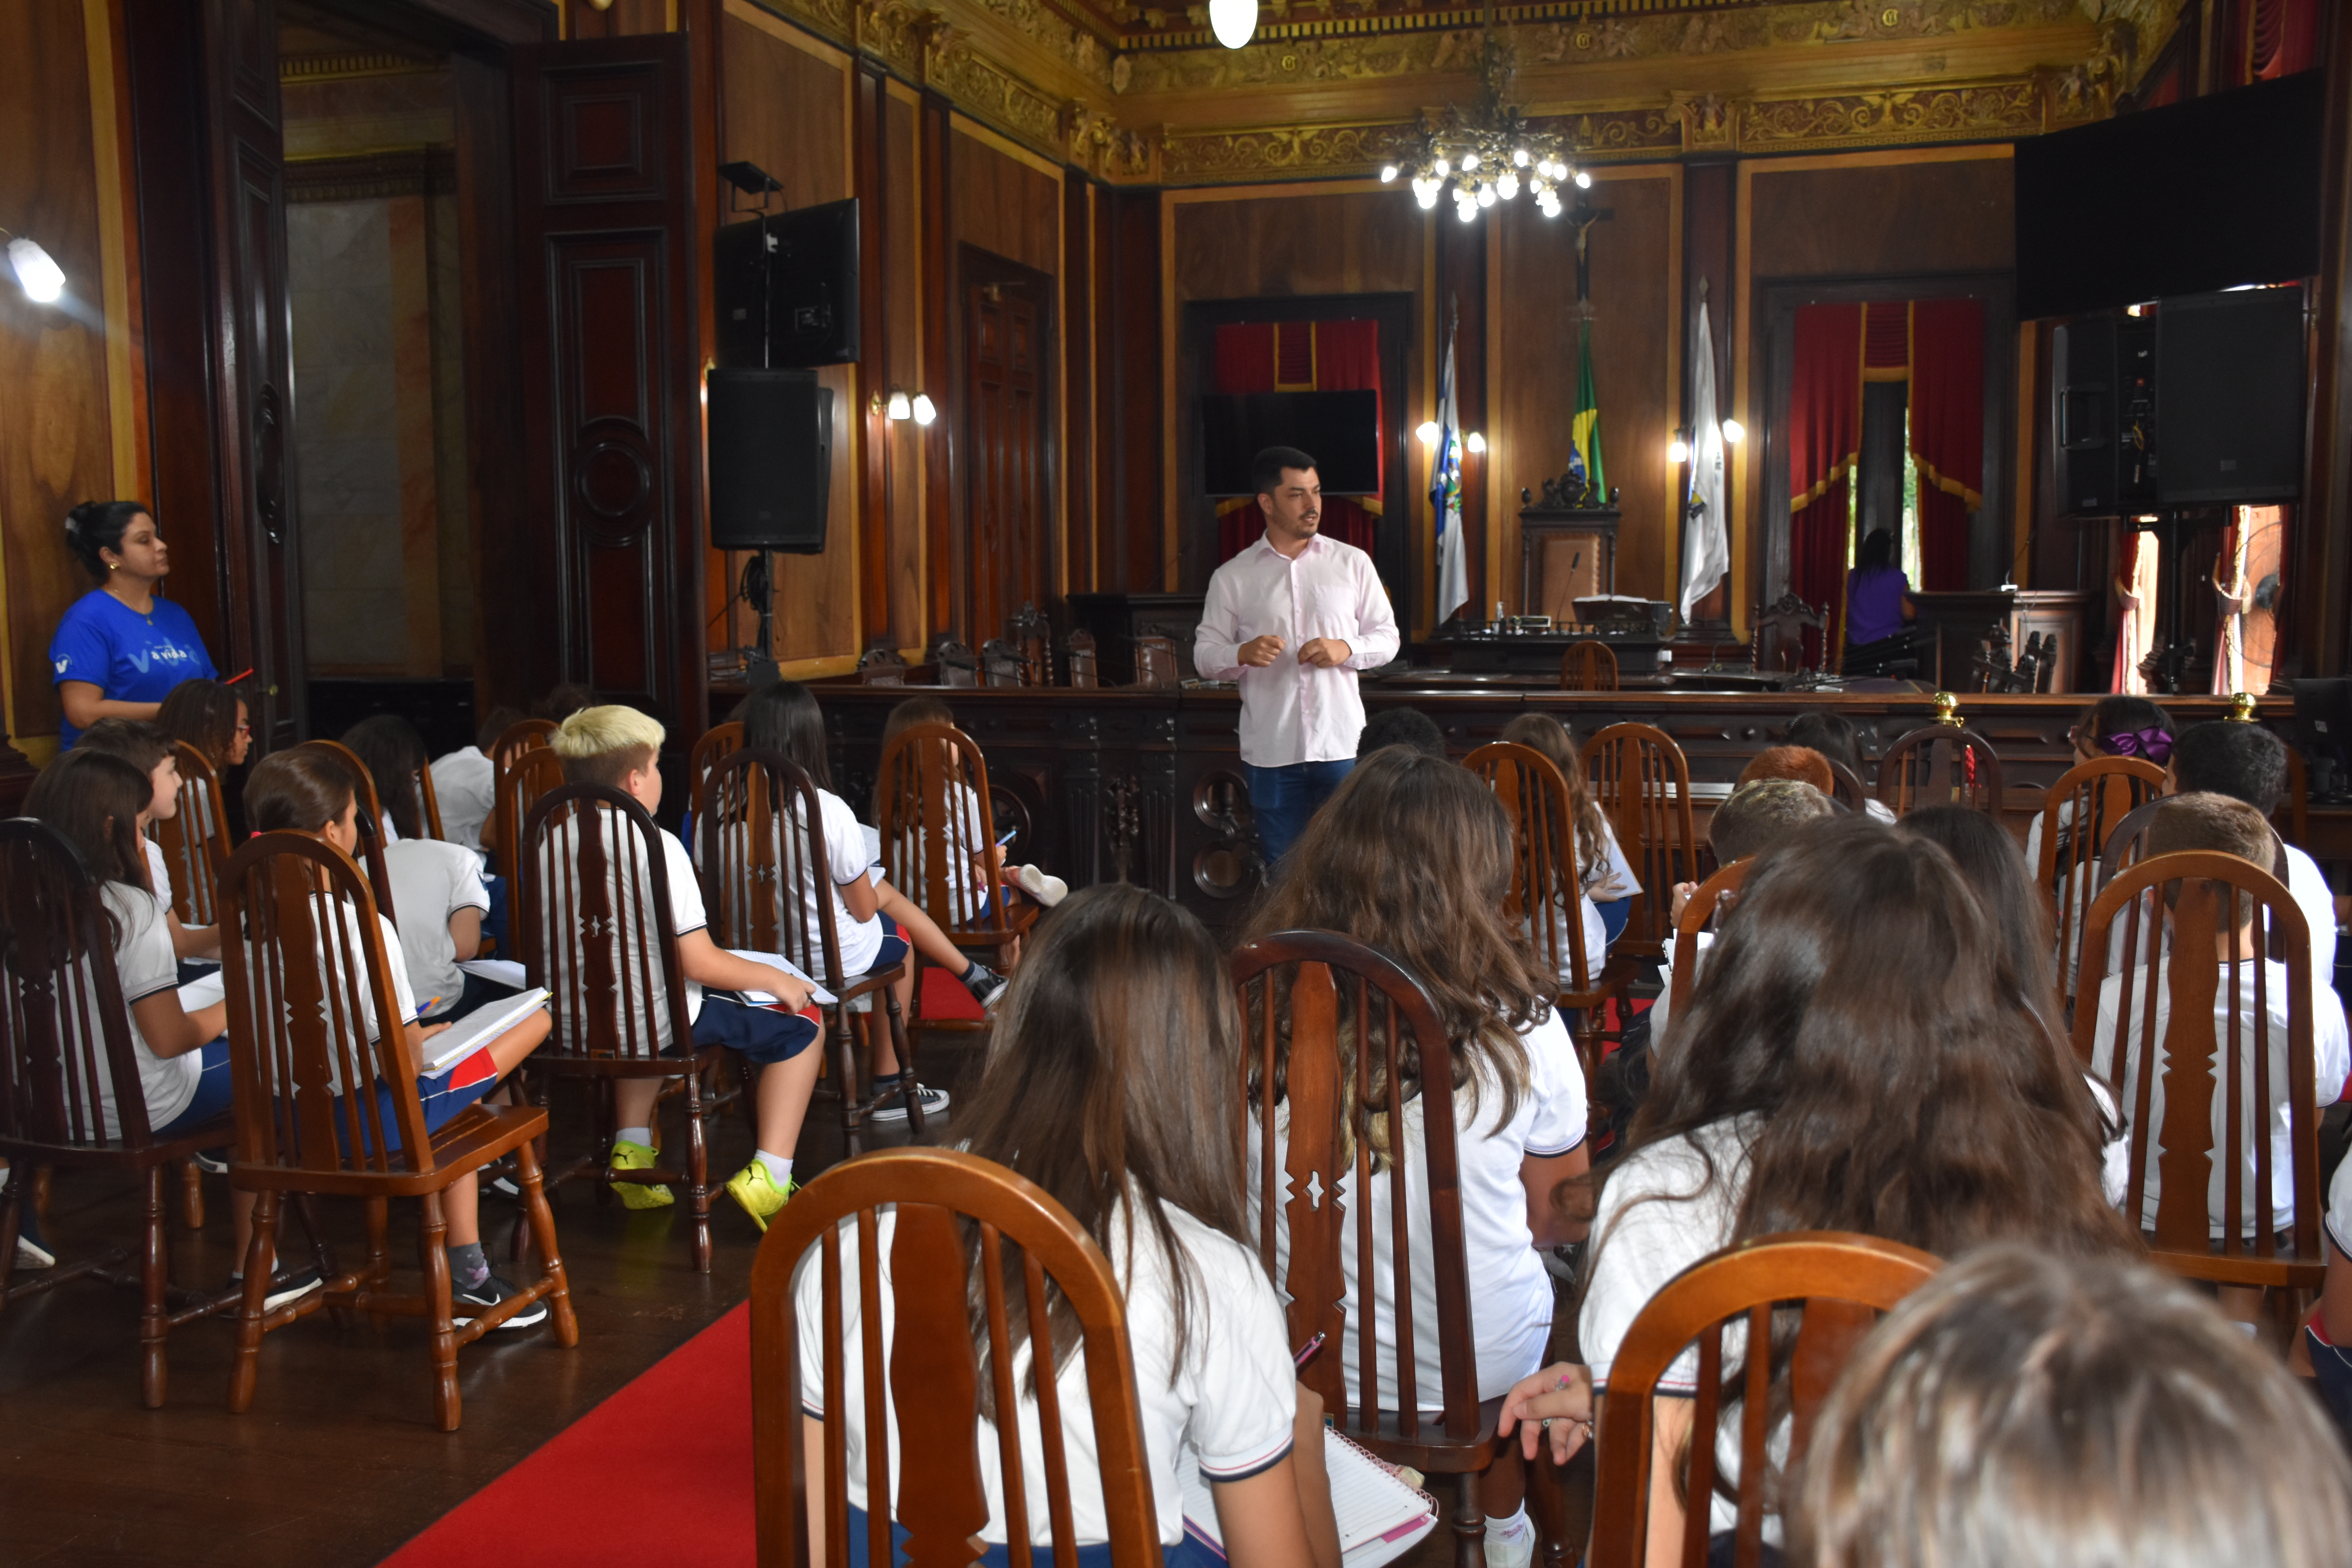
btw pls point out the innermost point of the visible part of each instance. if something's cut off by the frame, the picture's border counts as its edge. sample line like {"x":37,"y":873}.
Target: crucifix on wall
{"x":1582,"y":218}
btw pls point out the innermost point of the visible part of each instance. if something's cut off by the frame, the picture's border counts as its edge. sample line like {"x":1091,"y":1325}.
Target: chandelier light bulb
{"x":1679,"y":451}
{"x":1233,"y":21}
{"x":1469,"y":160}
{"x":1475,"y":442}
{"x":1428,"y":432}
{"x":1387,"y":173}
{"x":1440,"y":168}
{"x":1467,"y":211}
{"x":42,"y":278}
{"x":925,"y":410}
{"x":1425,"y":194}
{"x":1507,"y":187}
{"x":1734,"y":431}
{"x":1583,"y":180}
{"x":1485,"y":196}
{"x":1520,"y":157}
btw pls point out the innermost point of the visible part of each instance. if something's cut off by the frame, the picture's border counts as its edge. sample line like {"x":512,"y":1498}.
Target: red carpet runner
{"x":659,"y":1472}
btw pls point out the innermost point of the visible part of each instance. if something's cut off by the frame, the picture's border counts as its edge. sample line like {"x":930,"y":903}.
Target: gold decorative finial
{"x":1947,"y":710}
{"x":2241,"y":708}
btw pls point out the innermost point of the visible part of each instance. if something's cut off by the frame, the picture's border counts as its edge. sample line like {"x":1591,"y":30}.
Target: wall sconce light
{"x":898,"y":403}
{"x":1678,"y":450}
{"x":924,"y":409}
{"x":1475,"y":442}
{"x":1734,"y":431}
{"x":1428,"y":432}
{"x":42,"y":278}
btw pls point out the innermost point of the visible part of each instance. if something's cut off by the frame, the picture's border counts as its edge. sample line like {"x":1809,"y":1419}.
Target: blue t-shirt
{"x":128,"y":657}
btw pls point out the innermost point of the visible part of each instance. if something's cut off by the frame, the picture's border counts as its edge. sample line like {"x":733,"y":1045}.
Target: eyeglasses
{"x":245,"y":728}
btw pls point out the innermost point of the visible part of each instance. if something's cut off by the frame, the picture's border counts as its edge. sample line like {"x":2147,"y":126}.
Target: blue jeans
{"x":1282,"y":799}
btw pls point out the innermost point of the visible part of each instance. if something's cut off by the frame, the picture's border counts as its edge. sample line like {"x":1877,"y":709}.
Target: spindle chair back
{"x":1641,"y":781}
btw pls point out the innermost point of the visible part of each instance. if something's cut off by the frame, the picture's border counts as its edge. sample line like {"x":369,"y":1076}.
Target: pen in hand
{"x":1306,"y":1351}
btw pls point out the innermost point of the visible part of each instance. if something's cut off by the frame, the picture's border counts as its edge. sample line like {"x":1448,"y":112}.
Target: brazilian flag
{"x":1584,"y":432}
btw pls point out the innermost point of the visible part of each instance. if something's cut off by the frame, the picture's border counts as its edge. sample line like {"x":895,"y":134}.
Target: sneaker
{"x":1510,"y":1544}
{"x":757,"y":1191}
{"x":283,"y":1289}
{"x":628,"y":1156}
{"x":492,"y":1291}
{"x":984,"y":983}
{"x":31,"y":1254}
{"x":1046,"y":890}
{"x":506,"y":1186}
{"x":212,"y":1162}
{"x":935,"y":1101}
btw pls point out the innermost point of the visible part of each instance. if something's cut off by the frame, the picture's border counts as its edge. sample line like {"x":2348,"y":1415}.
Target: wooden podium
{"x":1961,"y":621}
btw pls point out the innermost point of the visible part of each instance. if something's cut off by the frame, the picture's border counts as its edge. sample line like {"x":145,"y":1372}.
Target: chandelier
{"x":1488,"y":153}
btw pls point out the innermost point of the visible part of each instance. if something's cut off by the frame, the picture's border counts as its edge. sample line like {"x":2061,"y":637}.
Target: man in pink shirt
{"x":1293,"y":619}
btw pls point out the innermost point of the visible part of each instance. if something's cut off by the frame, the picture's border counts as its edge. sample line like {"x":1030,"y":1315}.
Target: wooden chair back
{"x":758,"y":856}
{"x":65,"y":1032}
{"x":1085,"y":661}
{"x":1546,"y":891}
{"x":1588,"y":666}
{"x":2177,"y":987}
{"x":2085,"y":804}
{"x":924,"y":1383}
{"x":522,"y":735}
{"x":956,"y":664}
{"x":1846,"y":786}
{"x":593,"y":920}
{"x":195,"y":839}
{"x":1306,"y":997}
{"x":519,"y":782}
{"x":1725,"y":883}
{"x":314,"y":1019}
{"x":934,"y":812}
{"x":1001,"y":664}
{"x":428,"y":804}
{"x":371,"y":820}
{"x":1841,"y":1281}
{"x":718,"y":743}
{"x":1643,"y":782}
{"x":1155,"y":663}
{"x":1781,"y":627}
{"x":1939,"y":764}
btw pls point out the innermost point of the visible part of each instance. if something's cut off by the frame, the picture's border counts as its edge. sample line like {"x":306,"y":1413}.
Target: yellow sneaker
{"x":628,"y":1156}
{"x":758,"y":1193}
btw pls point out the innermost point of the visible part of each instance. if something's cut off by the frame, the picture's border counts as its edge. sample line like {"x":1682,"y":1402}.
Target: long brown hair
{"x":204,"y":714}
{"x":1412,"y":855}
{"x":1987,"y":857}
{"x":94,"y":798}
{"x":1556,"y":740}
{"x":1862,"y":1006}
{"x":393,"y":751}
{"x":297,"y":789}
{"x":1109,"y":1081}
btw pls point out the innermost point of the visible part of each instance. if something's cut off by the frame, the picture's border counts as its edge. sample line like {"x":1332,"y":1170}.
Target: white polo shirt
{"x":1293,"y":712}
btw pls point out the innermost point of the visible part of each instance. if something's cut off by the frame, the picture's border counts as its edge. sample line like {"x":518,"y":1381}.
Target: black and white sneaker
{"x":468,"y":1302}
{"x":283,"y":1289}
{"x":935,"y":1102}
{"x":31,"y":1254}
{"x":984,"y":983}
{"x":507,"y":1185}
{"x":212,"y":1162}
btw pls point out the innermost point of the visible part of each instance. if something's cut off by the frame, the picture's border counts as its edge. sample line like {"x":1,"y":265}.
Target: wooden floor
{"x":337,"y":1463}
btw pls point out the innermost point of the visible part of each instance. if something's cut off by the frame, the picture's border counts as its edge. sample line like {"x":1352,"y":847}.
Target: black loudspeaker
{"x":2230,"y":386}
{"x":771,"y":459}
{"x":785,"y":285}
{"x":739,"y":288}
{"x":2103,"y":404}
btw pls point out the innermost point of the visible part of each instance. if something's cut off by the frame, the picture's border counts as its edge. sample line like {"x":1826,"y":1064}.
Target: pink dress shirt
{"x":1293,"y":712}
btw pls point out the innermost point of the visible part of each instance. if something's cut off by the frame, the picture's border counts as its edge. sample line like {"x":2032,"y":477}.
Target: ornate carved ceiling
{"x":1335,"y":86}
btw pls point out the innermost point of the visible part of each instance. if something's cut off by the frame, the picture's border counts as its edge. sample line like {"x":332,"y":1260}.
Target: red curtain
{"x":2282,"y":37}
{"x":1300,"y":356}
{"x":1824,"y":437}
{"x":1947,"y":433}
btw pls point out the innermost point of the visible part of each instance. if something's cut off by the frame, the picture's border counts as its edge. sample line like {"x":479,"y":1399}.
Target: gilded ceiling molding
{"x":1311,"y":149}
{"x":1977,"y":111}
{"x":344,"y":68}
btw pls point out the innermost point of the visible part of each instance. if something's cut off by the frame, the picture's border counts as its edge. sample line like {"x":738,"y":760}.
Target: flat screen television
{"x":2191,"y":198}
{"x":1341,"y":431}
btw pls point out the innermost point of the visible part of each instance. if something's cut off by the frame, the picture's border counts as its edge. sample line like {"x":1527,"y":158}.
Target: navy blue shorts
{"x":212,"y":1092}
{"x":440,"y":1098}
{"x":894,"y":945}
{"x":762,"y":1033}
{"x":1188,"y":1553}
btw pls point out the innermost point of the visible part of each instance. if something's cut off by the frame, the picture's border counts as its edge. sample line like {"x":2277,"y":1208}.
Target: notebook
{"x":203,"y":991}
{"x":477,"y":1029}
{"x":500,"y":971}
{"x":1380,"y":1518}
{"x":818,"y":994}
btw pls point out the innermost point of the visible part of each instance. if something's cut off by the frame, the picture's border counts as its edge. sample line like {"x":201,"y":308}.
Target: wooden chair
{"x":428,"y":804}
{"x":196,"y":840}
{"x":522,"y":735}
{"x":1842,"y":1281}
{"x":1846,"y":786}
{"x":592,"y":924}
{"x":1083,"y":661}
{"x":2174,"y":1108}
{"x":1726,"y":882}
{"x":519,"y":784}
{"x":1588,"y":666}
{"x":933,"y":792}
{"x":930,"y":1365}
{"x":1296,"y":985}
{"x":754,"y":871}
{"x":1942,"y":764}
{"x":718,"y":743}
{"x":301,"y":985}
{"x":2088,"y":800}
{"x":370,"y":819}
{"x":63,"y":1027}
{"x":1782,"y":625}
{"x":956,"y":664}
{"x":1641,"y":781}
{"x":1546,"y":891}
{"x":1156,"y":668}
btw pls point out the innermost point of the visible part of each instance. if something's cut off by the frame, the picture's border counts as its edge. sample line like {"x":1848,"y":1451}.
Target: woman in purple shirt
{"x":1877,"y":594}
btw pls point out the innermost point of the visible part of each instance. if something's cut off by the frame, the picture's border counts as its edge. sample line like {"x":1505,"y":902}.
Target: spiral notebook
{"x":1380,"y":1518}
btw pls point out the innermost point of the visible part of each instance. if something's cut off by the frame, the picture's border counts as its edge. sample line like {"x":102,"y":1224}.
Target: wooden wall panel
{"x":1882,"y":219}
{"x":903,"y":279}
{"x":56,"y":448}
{"x":786,"y":109}
{"x":1635,"y":267}
{"x":1302,"y":243}
{"x":1128,"y":417}
{"x":1003,"y":204}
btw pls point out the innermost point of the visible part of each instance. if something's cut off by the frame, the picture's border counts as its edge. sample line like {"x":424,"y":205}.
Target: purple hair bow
{"x":2153,"y":744}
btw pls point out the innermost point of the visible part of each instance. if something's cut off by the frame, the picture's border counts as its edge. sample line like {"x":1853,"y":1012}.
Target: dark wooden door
{"x":1002,"y":359}
{"x":604,"y":199}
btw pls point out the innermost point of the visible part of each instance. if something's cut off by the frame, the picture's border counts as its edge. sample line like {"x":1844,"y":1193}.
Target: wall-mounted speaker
{"x":2229,"y":398}
{"x":771,"y":459}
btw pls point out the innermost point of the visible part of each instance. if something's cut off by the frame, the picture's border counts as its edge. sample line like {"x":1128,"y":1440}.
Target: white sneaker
{"x":1046,"y":890}
{"x":1510,"y":1544}
{"x":935,"y":1103}
{"x":31,"y":1254}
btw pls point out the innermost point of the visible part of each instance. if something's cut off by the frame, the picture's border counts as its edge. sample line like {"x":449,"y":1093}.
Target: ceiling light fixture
{"x":1233,"y":21}
{"x":43,"y":280}
{"x":1487,"y":152}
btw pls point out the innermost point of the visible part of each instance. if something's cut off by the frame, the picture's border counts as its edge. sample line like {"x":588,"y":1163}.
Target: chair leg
{"x":322,"y":1256}
{"x":902,"y":1040}
{"x":9,"y":1225}
{"x":379,"y":1253}
{"x":191,"y":1195}
{"x":844,"y":1069}
{"x":1469,"y":1523}
{"x":607,"y":1128}
{"x":697,"y":1172}
{"x":434,"y":1256}
{"x":542,"y":1228}
{"x":154,"y":1277}
{"x":260,"y":1259}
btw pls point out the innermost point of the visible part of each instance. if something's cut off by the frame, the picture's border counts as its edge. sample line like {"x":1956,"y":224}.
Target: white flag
{"x":1446,"y":496}
{"x":1706,"y":539}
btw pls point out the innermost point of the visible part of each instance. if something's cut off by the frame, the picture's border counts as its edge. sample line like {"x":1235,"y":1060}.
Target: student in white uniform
{"x":989,"y":874}
{"x":1757,"y":816}
{"x":145,"y":747}
{"x":2248,"y":763}
{"x":1859,"y":1056}
{"x":1413,"y":856}
{"x":2327,"y":1331}
{"x":1119,"y":1034}
{"x":1604,"y":876}
{"x":465,"y":780}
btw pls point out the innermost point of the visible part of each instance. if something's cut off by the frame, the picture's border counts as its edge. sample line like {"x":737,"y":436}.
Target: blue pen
{"x":422,"y":1008}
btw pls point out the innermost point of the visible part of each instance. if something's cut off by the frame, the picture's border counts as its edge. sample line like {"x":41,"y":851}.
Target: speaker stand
{"x":759,"y":588}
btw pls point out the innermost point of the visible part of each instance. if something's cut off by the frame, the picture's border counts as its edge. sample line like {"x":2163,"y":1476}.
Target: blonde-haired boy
{"x":617,"y":747}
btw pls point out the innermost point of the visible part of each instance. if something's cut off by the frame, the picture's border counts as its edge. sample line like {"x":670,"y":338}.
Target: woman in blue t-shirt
{"x":118,"y":650}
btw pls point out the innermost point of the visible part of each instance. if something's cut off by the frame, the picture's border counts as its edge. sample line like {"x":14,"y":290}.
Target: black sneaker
{"x":214,"y":1161}
{"x":507,"y":1185}
{"x":490,"y":1293}
{"x":935,"y":1100}
{"x":985,"y":985}
{"x":283,"y":1289}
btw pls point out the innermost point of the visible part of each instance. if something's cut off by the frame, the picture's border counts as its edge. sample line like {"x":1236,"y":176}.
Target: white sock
{"x":779,"y":1168}
{"x":1516,"y":1528}
{"x":643,"y":1136}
